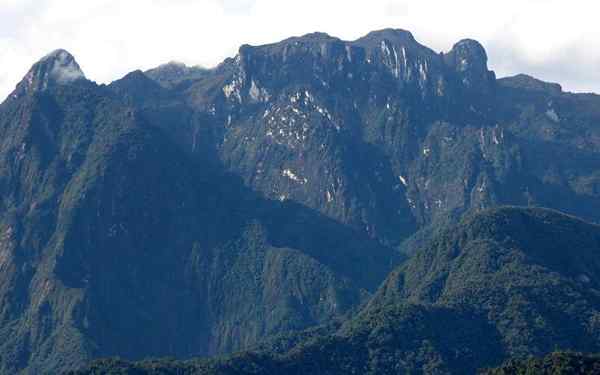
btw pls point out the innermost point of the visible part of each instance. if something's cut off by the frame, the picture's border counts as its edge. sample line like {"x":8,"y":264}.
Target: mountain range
{"x":329,"y":205}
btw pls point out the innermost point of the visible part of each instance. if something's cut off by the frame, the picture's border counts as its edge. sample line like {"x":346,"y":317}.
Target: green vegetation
{"x":559,"y":363}
{"x":503,"y":283}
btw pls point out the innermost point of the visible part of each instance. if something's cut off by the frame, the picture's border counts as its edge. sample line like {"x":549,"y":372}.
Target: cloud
{"x":237,"y":6}
{"x":553,"y":40}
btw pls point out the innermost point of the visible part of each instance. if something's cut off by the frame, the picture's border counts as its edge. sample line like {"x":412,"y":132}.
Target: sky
{"x":556,"y":41}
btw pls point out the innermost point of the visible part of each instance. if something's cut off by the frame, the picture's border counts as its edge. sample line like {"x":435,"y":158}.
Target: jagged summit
{"x":399,"y":38}
{"x":307,"y":42}
{"x":467,"y":54}
{"x":470,"y":47}
{"x":59,"y":53}
{"x":56,"y":68}
{"x":372,"y":39}
{"x":60,"y":66}
{"x":469,"y":59}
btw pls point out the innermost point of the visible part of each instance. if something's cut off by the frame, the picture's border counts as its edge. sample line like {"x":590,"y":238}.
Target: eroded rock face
{"x":383,"y":133}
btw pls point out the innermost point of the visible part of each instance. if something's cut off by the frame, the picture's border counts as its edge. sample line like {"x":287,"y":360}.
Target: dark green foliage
{"x":503,"y":283}
{"x":559,"y":363}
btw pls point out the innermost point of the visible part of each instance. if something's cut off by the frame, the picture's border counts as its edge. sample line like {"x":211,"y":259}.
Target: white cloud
{"x":554,"y":40}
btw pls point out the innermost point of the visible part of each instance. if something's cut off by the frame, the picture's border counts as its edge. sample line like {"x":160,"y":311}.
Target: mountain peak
{"x":56,"y":68}
{"x":469,"y":59}
{"x":469,"y":52}
{"x":60,"y":66}
{"x":57,"y":54}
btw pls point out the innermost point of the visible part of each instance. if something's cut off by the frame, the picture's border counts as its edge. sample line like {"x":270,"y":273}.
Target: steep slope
{"x":502,"y":283}
{"x":115,"y":242}
{"x":383,"y":133}
{"x":505,"y":282}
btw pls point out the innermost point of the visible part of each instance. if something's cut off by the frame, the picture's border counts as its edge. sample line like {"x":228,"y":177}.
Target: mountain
{"x":382,"y":133}
{"x":116,"y":242}
{"x":188,"y":212}
{"x":502,"y":283}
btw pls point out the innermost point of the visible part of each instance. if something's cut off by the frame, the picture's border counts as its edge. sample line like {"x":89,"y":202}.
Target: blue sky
{"x":552,"y":40}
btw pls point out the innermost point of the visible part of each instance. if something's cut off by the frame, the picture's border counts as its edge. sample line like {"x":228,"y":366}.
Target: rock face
{"x":469,"y":60}
{"x":260,"y":197}
{"x":383,"y":134}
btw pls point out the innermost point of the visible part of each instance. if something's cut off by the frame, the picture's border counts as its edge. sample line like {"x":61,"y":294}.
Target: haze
{"x":551,"y":40}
